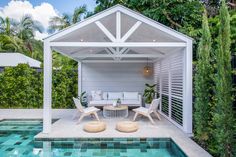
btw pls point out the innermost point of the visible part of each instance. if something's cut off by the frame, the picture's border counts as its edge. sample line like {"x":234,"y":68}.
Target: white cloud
{"x":41,"y":13}
{"x":40,"y":36}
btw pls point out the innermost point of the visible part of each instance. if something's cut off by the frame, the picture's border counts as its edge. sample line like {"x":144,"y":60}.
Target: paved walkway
{"x":66,"y":127}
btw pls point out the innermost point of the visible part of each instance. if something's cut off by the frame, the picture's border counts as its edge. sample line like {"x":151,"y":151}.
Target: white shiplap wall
{"x":114,"y":77}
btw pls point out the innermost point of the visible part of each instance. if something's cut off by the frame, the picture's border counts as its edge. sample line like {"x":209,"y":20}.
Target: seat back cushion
{"x":96,"y":95}
{"x":130,"y":95}
{"x":115,"y":95}
{"x":104,"y":95}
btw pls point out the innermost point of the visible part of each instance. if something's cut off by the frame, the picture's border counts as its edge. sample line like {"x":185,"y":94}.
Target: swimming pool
{"x":17,"y":140}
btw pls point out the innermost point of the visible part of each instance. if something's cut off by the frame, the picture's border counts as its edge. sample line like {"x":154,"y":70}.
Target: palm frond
{"x":78,"y":12}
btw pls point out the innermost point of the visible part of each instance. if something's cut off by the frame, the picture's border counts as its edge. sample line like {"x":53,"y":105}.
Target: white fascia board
{"x":118,"y":44}
{"x":81,"y":24}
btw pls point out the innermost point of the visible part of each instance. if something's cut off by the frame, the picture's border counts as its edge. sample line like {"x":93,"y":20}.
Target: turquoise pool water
{"x":17,"y":140}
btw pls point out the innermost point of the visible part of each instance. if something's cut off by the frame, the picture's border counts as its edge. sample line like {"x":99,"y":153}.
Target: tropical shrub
{"x":64,"y":88}
{"x":22,"y":87}
{"x":18,"y":87}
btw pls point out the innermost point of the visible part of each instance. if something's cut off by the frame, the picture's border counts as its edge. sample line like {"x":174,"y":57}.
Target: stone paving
{"x":66,"y":127}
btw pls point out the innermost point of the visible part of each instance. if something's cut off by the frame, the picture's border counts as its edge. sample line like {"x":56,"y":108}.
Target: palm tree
{"x":5,"y":26}
{"x":25,"y":29}
{"x":59,"y":23}
{"x":11,"y":43}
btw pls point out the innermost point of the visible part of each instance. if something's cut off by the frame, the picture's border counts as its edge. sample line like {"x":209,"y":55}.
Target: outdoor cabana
{"x":112,"y":46}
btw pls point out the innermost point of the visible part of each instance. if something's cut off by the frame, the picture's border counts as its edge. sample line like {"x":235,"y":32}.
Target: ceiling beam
{"x":131,"y":31}
{"x":118,"y":44}
{"x":119,"y":55}
{"x":123,"y":50}
{"x":115,"y":61}
{"x":67,"y":55}
{"x":118,"y":26}
{"x":110,"y":52}
{"x":105,"y":31}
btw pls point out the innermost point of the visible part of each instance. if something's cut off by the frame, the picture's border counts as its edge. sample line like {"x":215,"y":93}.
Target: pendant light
{"x":147,"y":70}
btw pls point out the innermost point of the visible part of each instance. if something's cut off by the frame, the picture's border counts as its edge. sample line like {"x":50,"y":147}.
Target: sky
{"x":41,"y":10}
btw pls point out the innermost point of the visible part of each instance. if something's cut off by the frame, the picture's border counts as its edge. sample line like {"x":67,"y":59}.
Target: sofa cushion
{"x":104,"y":95}
{"x":101,"y":102}
{"x":115,"y":95}
{"x":98,"y":102}
{"x":130,"y":102}
{"x":96,"y":95}
{"x":130,"y":95}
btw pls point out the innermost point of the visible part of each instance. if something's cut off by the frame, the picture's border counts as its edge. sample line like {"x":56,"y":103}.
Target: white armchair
{"x":148,"y":111}
{"x":85,"y":111}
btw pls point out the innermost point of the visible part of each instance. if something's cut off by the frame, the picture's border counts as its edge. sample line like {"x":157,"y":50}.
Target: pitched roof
{"x":13,"y":59}
{"x":126,"y":11}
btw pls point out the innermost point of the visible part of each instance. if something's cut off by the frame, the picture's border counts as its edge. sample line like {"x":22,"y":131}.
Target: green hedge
{"x":22,"y":87}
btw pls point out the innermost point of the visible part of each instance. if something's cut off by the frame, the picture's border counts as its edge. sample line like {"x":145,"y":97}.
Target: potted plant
{"x":149,"y":94}
{"x":118,"y":102}
{"x":83,"y":99}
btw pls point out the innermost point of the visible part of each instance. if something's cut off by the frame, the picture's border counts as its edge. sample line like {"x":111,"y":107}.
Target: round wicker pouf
{"x":94,"y":126}
{"x":127,"y":126}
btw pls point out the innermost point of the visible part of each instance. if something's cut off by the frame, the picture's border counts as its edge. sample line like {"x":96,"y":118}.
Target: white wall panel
{"x":114,"y":77}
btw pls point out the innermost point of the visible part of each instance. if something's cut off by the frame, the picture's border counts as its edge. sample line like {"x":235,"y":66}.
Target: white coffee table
{"x":115,"y":112}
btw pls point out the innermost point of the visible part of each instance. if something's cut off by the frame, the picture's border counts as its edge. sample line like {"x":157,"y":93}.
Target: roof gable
{"x":123,"y":10}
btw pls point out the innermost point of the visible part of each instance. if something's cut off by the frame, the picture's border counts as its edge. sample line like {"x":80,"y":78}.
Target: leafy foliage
{"x":59,"y":23}
{"x":64,"y":88}
{"x":19,"y":89}
{"x":203,"y":85}
{"x":149,"y":93}
{"x":83,"y":99}
{"x":18,"y":36}
{"x":184,"y":16}
{"x":223,"y":116}
{"x":22,"y":87}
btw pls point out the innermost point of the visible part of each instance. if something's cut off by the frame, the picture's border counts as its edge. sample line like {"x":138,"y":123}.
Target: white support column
{"x":79,"y":78}
{"x":47,"y":149}
{"x":47,"y":86}
{"x":187,"y":99}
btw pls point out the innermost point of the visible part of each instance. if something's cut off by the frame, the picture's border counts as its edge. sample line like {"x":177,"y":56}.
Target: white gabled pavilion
{"x":120,"y":35}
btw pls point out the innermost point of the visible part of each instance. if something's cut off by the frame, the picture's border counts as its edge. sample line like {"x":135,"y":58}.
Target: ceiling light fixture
{"x":147,"y":70}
